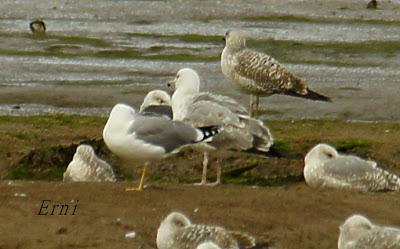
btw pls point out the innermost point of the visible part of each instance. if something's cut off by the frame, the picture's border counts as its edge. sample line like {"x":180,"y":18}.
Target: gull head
{"x":156,"y":98}
{"x":235,"y":40}
{"x":169,"y":227}
{"x":186,"y":80}
{"x":84,"y":152}
{"x":320,"y":153}
{"x":120,"y":117}
{"x":352,"y":228}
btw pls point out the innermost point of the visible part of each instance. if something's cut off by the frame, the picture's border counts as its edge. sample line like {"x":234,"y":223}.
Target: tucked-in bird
{"x":259,"y":74}
{"x":138,"y":137}
{"x":241,"y":132}
{"x":325,"y":167}
{"x":38,"y":26}
{"x":359,"y":233}
{"x":87,"y":167}
{"x":177,"y":232}
{"x":157,"y":102}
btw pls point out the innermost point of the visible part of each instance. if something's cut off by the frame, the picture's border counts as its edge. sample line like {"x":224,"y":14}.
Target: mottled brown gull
{"x":87,"y":167}
{"x":325,"y":167}
{"x":177,"y":232}
{"x":359,"y":233}
{"x":138,"y":137}
{"x":259,"y":74}
{"x":241,"y":132}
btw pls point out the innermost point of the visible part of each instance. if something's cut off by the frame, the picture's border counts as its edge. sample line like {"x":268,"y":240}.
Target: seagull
{"x":241,"y":132}
{"x":259,"y":74}
{"x":177,"y":232}
{"x":325,"y":167}
{"x":359,"y":232}
{"x":157,"y":102}
{"x":38,"y":26}
{"x":86,"y":166}
{"x":139,"y":137}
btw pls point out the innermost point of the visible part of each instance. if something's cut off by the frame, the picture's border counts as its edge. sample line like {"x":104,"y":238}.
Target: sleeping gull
{"x":138,"y":137}
{"x":177,"y":232}
{"x":87,"y":167}
{"x":157,"y":102}
{"x":241,"y":132}
{"x":359,"y":232}
{"x":325,"y":167}
{"x":259,"y":74}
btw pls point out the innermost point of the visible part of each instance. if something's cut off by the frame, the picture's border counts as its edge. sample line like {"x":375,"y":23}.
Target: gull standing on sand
{"x":241,"y":132}
{"x":140,"y":137}
{"x":359,"y":233}
{"x":325,"y":167}
{"x":157,"y":102}
{"x":87,"y":167}
{"x":177,"y":232}
{"x":259,"y":74}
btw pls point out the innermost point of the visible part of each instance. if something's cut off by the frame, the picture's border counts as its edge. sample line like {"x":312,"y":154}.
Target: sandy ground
{"x":293,"y":216}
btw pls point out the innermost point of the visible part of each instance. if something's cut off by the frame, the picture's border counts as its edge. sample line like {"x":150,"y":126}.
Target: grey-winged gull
{"x":137,"y":137}
{"x":259,"y":74}
{"x":241,"y":132}
{"x":325,"y":167}
{"x":157,"y":102}
{"x":177,"y":232}
{"x":38,"y":26}
{"x":358,"y":232}
{"x":87,"y":167}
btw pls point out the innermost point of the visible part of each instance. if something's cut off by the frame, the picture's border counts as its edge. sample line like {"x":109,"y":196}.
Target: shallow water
{"x":97,"y":54}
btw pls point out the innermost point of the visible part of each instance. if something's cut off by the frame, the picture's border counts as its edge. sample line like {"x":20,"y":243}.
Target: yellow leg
{"x":141,"y":183}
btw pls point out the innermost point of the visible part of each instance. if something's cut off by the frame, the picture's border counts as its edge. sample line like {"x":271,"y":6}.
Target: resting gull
{"x":157,"y":102}
{"x":87,"y":167}
{"x":325,"y":167}
{"x":139,"y":137}
{"x":241,"y":132}
{"x":359,"y":232}
{"x":259,"y":74}
{"x":38,"y":26}
{"x":177,"y":232}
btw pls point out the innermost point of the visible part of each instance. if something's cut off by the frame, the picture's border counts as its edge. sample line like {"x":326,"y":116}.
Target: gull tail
{"x":244,"y":240}
{"x":208,"y":132}
{"x":392,"y":180}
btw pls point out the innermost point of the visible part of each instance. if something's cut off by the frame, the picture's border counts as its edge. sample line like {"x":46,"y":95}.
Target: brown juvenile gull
{"x":38,"y":26}
{"x":137,"y":137}
{"x":325,"y":167}
{"x":359,"y":233}
{"x":241,"y":132}
{"x":259,"y":74}
{"x":157,"y":102}
{"x":177,"y":232}
{"x":87,"y":167}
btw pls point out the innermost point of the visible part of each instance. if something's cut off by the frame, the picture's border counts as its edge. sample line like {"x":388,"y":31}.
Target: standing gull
{"x":359,"y":233}
{"x":157,"y":102}
{"x":137,"y":137}
{"x":87,"y":167}
{"x":177,"y":232}
{"x":259,"y":74}
{"x":325,"y":167}
{"x":241,"y":132}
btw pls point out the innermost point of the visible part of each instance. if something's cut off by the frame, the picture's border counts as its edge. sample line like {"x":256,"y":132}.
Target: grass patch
{"x":309,"y":19}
